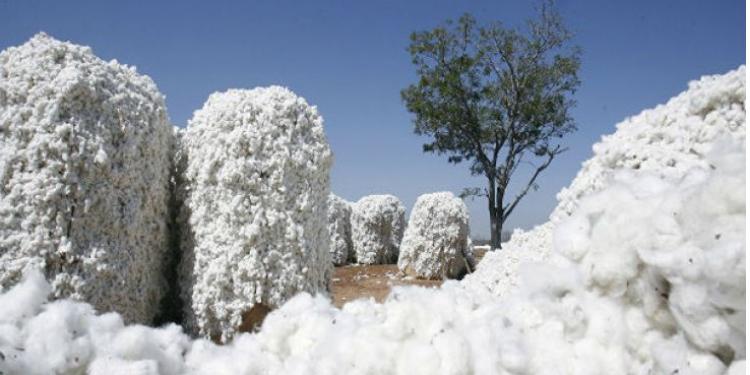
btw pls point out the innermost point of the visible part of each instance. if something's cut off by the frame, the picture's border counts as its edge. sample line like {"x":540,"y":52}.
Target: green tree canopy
{"x":495,"y":97}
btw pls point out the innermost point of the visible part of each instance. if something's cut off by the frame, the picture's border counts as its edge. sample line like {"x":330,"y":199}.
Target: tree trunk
{"x":497,"y":217}
{"x":499,"y":227}
{"x":494,"y":237}
{"x":495,"y":224}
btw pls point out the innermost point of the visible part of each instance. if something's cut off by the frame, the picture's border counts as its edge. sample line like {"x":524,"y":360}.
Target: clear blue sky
{"x":349,"y":59}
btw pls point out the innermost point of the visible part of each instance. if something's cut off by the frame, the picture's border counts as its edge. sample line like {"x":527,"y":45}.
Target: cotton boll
{"x":378,"y":225}
{"x":84,"y":168}
{"x":434,"y":244}
{"x":253,"y":222}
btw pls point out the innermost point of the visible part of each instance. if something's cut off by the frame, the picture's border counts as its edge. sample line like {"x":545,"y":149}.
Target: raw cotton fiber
{"x":647,"y":277}
{"x":340,"y":229}
{"x":378,"y":223}
{"x":84,"y":169}
{"x":255,"y":192}
{"x":666,"y":141}
{"x":437,"y":238}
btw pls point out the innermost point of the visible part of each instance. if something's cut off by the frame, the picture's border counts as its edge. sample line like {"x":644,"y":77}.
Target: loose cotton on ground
{"x":255,"y":196}
{"x":84,"y":168}
{"x":66,"y":337}
{"x":436,"y":240}
{"x":668,"y":140}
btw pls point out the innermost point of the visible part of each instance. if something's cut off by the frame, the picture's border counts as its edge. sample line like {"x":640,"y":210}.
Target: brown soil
{"x":252,"y":319}
{"x":358,"y":281}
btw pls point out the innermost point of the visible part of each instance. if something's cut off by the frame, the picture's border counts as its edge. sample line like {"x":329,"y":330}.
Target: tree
{"x":496,"y":97}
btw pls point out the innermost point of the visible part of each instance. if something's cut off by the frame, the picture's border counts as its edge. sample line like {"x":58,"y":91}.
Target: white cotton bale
{"x":378,"y":223}
{"x":84,"y":168}
{"x":340,"y":230}
{"x":255,"y":202}
{"x":437,"y":238}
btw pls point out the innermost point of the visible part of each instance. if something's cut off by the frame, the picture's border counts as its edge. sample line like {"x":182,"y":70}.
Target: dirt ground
{"x":352,"y":282}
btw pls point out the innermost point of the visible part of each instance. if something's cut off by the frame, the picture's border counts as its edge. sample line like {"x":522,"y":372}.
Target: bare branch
{"x":508,"y":209}
{"x":473,"y":192}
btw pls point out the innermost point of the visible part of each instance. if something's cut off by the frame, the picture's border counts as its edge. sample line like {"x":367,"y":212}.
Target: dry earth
{"x":352,"y":282}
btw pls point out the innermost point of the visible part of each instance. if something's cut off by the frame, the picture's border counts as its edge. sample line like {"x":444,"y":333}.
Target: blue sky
{"x":349,"y":58}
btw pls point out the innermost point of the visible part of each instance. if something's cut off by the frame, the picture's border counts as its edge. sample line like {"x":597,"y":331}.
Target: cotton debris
{"x":668,"y":140}
{"x":378,"y":223}
{"x":437,"y":238}
{"x":84,"y":168}
{"x":340,"y":229}
{"x":255,"y":201}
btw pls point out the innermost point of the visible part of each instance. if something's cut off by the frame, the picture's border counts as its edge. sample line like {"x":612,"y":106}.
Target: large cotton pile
{"x":84,"y":168}
{"x":648,"y":278}
{"x":255,"y":196}
{"x":436,"y":241}
{"x":668,"y":140}
{"x":340,"y":230}
{"x":378,"y":224}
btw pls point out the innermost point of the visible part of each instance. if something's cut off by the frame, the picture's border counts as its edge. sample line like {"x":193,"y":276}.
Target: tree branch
{"x":507,"y":210}
{"x":473,"y":192}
